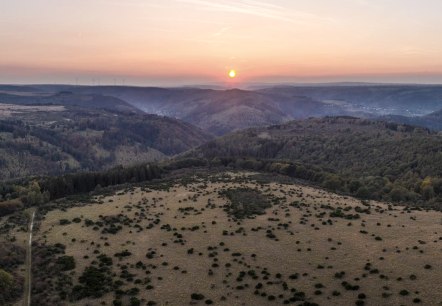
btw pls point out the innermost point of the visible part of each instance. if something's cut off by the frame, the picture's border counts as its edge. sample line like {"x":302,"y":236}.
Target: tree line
{"x":14,"y":196}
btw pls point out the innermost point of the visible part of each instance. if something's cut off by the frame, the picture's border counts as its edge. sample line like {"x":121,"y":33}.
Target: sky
{"x":178,"y":42}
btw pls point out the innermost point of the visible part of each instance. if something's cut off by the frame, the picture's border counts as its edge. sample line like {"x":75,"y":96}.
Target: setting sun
{"x":232,"y":74}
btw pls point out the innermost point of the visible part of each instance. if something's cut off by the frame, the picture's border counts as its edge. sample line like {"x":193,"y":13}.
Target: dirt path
{"x":28,"y":286}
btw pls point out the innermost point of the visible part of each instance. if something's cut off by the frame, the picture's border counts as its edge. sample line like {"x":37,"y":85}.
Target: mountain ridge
{"x":367,"y":158}
{"x":77,"y":139}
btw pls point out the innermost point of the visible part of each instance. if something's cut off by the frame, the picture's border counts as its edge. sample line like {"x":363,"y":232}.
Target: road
{"x":28,"y":286}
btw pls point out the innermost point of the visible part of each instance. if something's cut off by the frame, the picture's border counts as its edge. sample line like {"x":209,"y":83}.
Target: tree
{"x":6,"y":280}
{"x":10,"y":206}
{"x":6,"y":287}
{"x":428,"y":192}
{"x":399,"y":194}
{"x":31,"y":195}
{"x":354,"y":185}
{"x":333,"y":182}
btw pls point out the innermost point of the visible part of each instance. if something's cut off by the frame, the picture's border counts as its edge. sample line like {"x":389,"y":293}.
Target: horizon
{"x":239,"y":86}
{"x":185,"y":42}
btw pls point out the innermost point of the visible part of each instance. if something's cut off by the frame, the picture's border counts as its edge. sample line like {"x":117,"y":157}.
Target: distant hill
{"x":222,"y":111}
{"x":217,"y":111}
{"x":406,"y":100}
{"x":436,"y":116}
{"x":56,"y":141}
{"x":432,"y":121}
{"x":17,"y":88}
{"x":377,"y":159}
{"x":65,"y":98}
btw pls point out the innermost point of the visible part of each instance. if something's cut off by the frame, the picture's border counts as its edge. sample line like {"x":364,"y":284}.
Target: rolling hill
{"x":225,"y":110}
{"x":48,"y":139}
{"x":217,"y":111}
{"x":375,"y":99}
{"x":28,"y":96}
{"x":371,"y":159}
{"x":432,"y":121}
{"x":193,"y":242}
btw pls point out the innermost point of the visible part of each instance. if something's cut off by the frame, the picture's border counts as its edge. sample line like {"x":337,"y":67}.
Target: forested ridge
{"x":18,"y":194}
{"x":364,"y":158}
{"x":370,"y":159}
{"x":54,"y":143}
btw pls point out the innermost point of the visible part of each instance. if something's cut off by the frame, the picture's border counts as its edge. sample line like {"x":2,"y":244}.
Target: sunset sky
{"x":175,"y":42}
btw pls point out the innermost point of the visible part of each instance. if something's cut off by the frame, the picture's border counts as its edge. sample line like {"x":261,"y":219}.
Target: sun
{"x":232,"y":74}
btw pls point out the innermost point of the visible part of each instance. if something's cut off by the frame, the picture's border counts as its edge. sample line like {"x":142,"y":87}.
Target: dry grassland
{"x":186,"y":243}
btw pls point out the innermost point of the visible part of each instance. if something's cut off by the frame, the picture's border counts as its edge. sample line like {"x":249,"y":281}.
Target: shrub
{"x":94,"y":283}
{"x":6,"y":281}
{"x":66,"y":263}
{"x":197,"y":296}
{"x":10,"y":287}
{"x":9,"y":207}
{"x":245,"y":202}
{"x":76,"y":220}
{"x":64,"y":222}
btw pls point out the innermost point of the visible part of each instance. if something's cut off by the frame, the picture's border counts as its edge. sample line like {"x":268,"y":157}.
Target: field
{"x":233,"y":239}
{"x":6,"y":110}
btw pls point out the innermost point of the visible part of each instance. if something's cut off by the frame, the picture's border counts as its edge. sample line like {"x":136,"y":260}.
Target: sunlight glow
{"x":197,"y":41}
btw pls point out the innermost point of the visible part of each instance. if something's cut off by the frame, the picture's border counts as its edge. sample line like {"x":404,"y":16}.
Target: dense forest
{"x":77,"y":139}
{"x":34,"y":192}
{"x":369,"y":159}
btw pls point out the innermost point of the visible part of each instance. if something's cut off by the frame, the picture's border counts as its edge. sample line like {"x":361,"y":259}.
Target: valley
{"x":53,"y":140}
{"x":220,"y":111}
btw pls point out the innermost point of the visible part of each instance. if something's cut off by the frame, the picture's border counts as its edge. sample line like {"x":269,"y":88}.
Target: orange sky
{"x":193,"y":41}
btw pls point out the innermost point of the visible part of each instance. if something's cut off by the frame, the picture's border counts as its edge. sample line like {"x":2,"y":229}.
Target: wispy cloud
{"x":366,"y":4}
{"x":257,"y":8}
{"x":221,"y":31}
{"x":417,"y":51}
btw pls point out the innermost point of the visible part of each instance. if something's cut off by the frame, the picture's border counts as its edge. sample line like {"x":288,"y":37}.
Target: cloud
{"x":221,"y":31}
{"x":257,"y":8}
{"x":417,"y":51}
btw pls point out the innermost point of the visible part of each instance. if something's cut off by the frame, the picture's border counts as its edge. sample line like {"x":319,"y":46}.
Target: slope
{"x":383,"y":99}
{"x":23,"y":96}
{"x":432,"y":121}
{"x":371,"y":159}
{"x":218,"y":111}
{"x":38,"y":141}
